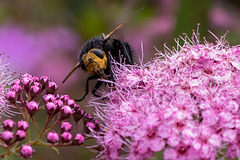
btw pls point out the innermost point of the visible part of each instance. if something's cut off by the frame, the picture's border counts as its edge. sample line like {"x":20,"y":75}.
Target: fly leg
{"x":99,"y":83}
{"x":87,"y":87}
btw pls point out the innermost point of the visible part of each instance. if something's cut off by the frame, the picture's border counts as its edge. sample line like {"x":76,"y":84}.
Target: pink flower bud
{"x":66,"y":137}
{"x":22,"y":125}
{"x":16,"y":88}
{"x":51,"y":108}
{"x":49,"y":98}
{"x":44,"y":80}
{"x":32,"y":107}
{"x":64,"y":98}
{"x":8,"y":124}
{"x":59,"y":104}
{"x":52,"y":137}
{"x":87,"y":118}
{"x":57,"y":96}
{"x":27,"y":75}
{"x":71,"y":103}
{"x":78,"y":113}
{"x":20,"y":135}
{"x":78,"y":139}
{"x":51,"y":87}
{"x":34,"y":91}
{"x":66,"y":112}
{"x":90,"y":125}
{"x":26,"y":83}
{"x":66,"y":127}
{"x":17,"y":82}
{"x":11,"y":96}
{"x":26,"y":151}
{"x":97,"y":125}
{"x":7,"y":136}
{"x":35,"y":79}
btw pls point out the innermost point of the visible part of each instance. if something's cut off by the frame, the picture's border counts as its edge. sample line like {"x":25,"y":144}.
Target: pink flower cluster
{"x":31,"y":95}
{"x":185,"y":103}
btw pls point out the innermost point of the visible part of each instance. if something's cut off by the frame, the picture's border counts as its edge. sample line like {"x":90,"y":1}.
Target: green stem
{"x":24,"y":114}
{"x":35,"y":125}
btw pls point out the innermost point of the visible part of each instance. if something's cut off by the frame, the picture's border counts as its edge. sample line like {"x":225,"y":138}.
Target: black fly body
{"x":95,"y":58}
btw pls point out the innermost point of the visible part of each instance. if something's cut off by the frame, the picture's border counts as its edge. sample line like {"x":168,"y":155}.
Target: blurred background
{"x":44,"y":37}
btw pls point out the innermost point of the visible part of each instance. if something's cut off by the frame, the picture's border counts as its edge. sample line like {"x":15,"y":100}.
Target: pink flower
{"x":113,"y":143}
{"x":78,"y":139}
{"x":185,"y":103}
{"x":147,"y":137}
{"x":26,"y":151}
{"x":22,"y":125}
{"x":52,"y":137}
{"x":66,"y":137}
{"x":32,"y":107}
{"x":7,"y":136}
{"x":66,"y":112}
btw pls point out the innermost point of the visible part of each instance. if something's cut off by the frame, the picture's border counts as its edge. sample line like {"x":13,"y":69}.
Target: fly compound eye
{"x":98,"y":52}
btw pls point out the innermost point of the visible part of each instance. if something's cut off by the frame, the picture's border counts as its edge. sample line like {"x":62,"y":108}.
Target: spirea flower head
{"x":184,"y":103}
{"x":30,"y":95}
